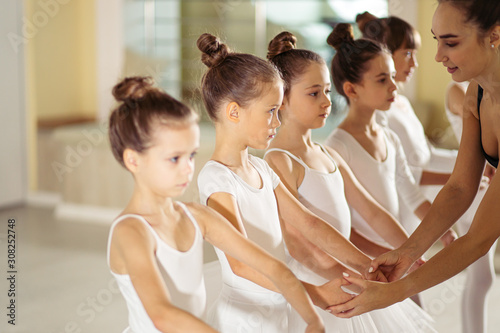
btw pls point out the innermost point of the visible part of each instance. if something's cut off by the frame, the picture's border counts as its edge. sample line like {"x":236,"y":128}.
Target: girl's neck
{"x":359,"y":119}
{"x":292,"y":136}
{"x":229,"y":151}
{"x":146,"y":203}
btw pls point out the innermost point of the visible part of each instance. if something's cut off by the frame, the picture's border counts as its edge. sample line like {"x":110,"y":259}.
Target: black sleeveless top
{"x":492,"y":160}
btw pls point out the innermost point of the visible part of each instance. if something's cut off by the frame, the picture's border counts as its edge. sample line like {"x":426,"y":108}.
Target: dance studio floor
{"x":63,"y":285}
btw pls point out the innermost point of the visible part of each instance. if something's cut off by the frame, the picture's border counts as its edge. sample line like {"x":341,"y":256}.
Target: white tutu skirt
{"x":243,"y":311}
{"x":403,"y":317}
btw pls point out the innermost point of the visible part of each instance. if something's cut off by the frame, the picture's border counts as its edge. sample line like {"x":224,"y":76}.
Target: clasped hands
{"x":355,"y":294}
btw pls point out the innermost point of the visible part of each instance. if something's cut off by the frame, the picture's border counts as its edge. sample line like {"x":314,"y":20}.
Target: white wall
{"x":13,"y":170}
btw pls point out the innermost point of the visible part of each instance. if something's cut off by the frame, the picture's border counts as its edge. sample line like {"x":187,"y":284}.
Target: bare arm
{"x":451,"y":202}
{"x":299,"y":247}
{"x":367,"y":246}
{"x":134,"y":246}
{"x":320,"y":232}
{"x":226,"y":205}
{"x":221,"y":234}
{"x":482,"y":234}
{"x":434,"y":178}
{"x":358,"y":198}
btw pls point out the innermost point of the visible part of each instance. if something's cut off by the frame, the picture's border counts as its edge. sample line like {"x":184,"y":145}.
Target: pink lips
{"x":452,"y":70}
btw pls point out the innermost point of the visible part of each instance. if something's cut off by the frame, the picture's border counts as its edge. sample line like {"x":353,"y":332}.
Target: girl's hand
{"x":377,"y":275}
{"x":374,"y":295}
{"x":331,"y":293}
{"x":394,"y":264}
{"x":448,"y":237}
{"x":317,"y":327}
{"x":420,"y":261}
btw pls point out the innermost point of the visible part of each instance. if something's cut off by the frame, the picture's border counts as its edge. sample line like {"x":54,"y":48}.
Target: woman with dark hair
{"x":468,"y":36}
{"x":429,"y":165}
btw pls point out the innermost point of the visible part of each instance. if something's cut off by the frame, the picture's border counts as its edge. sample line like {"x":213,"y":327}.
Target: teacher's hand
{"x":394,"y":264}
{"x":373,"y":295}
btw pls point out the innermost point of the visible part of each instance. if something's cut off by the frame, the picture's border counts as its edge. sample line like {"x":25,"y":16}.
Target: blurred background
{"x":59,"y":60}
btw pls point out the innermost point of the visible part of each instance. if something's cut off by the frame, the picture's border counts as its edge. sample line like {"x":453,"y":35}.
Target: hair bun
{"x":132,"y":88}
{"x":342,"y":33}
{"x":283,"y":42}
{"x":214,"y":51}
{"x":363,"y":20}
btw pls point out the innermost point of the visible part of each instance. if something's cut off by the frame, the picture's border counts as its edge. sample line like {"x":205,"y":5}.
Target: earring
{"x":492,"y":46}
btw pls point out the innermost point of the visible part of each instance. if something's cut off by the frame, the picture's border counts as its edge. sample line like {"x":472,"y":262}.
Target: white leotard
{"x":383,"y":180}
{"x":420,"y":153}
{"x":323,"y":194}
{"x":181,"y":271}
{"x":244,"y":306}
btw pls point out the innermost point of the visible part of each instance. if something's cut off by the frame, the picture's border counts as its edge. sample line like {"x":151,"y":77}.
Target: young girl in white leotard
{"x":429,"y":165}
{"x":320,"y":179}
{"x":363,"y":72}
{"x":242,"y":94}
{"x":155,"y":248}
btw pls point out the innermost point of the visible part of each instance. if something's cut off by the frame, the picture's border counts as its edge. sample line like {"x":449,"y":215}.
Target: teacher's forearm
{"x":445,"y":264}
{"x":447,"y":208}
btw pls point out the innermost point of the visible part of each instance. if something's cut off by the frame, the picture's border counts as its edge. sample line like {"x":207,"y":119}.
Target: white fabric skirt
{"x":403,"y":317}
{"x":243,"y":311}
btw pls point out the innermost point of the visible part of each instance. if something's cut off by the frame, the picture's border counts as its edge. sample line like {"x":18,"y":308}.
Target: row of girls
{"x":323,"y":209}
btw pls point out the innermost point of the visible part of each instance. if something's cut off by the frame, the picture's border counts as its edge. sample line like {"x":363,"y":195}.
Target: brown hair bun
{"x":132,"y":88}
{"x":283,"y":42}
{"x":213,"y":50}
{"x":342,"y":33}
{"x":363,"y":19}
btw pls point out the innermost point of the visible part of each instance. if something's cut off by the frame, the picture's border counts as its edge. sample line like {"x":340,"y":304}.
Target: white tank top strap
{"x":298,"y":160}
{"x":327,"y":154}
{"x":123,"y":217}
{"x":191,"y":218}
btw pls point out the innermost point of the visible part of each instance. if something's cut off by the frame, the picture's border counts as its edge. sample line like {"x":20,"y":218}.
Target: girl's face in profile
{"x":405,"y":62}
{"x":308,"y":101}
{"x":377,"y":89}
{"x":464,"y":53}
{"x":260,"y":119}
{"x":167,"y":167}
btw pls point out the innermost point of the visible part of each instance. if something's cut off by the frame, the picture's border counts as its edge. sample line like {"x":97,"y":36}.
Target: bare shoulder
{"x":280,"y":159}
{"x":131,"y":227}
{"x":470,"y":101}
{"x":341,"y":163}
{"x":202,"y":214}
{"x":131,"y":234}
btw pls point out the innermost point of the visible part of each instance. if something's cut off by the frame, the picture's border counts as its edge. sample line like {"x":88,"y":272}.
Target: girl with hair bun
{"x":363,"y":72}
{"x":155,"y":247}
{"x":429,"y":165}
{"x":468,"y":41}
{"x":242,"y":94}
{"x":319,"y":178}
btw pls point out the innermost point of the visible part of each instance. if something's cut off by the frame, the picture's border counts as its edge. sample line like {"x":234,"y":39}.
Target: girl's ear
{"x":495,"y":36}
{"x":350,"y":90}
{"x":233,"y":112}
{"x":283,"y":105}
{"x":131,"y":158}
